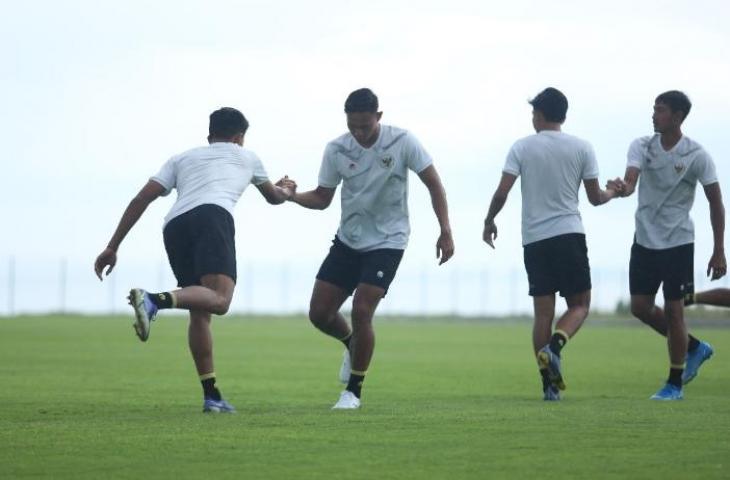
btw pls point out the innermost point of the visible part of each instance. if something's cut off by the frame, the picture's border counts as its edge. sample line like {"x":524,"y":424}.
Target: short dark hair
{"x":227,"y":122}
{"x":361,"y":100}
{"x":676,"y":101}
{"x":552,"y":103}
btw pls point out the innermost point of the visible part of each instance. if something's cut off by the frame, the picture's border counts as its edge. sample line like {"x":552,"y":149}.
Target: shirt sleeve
{"x":636,"y":153}
{"x":590,"y":166}
{"x":259,"y":172}
{"x":512,"y":165}
{"x":417,"y":158}
{"x":329,"y":176}
{"x":167,"y":176}
{"x":705,"y":169}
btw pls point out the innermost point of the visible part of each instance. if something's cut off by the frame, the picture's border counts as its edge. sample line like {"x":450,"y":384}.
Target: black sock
{"x":209,"y":389}
{"x":161,"y":300}
{"x":346,"y":341}
{"x":355,"y":384}
{"x":558,"y":341}
{"x":545,"y":378}
{"x":675,"y":376}
{"x":692,"y":344}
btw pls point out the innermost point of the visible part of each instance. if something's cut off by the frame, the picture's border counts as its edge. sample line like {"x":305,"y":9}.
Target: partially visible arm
{"x":445,"y":243}
{"x":718,"y":264}
{"x":498,"y":200}
{"x":277,"y":193}
{"x":149,"y":193}
{"x":597,"y":196}
{"x":317,"y":199}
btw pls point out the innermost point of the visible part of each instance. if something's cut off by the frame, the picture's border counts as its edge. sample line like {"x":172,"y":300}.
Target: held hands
{"x":288,"y":185}
{"x":444,"y":246}
{"x":717,"y":266}
{"x":490,"y":233}
{"x":106,"y":258}
{"x":618,"y":186}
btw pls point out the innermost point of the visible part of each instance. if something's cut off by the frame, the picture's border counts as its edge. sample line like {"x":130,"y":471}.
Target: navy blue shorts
{"x":347,"y":268}
{"x":199,"y":242}
{"x":558,"y":264}
{"x":671,"y":267}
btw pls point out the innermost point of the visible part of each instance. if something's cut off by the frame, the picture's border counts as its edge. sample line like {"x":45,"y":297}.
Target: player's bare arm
{"x":445,"y":243}
{"x":149,"y":193}
{"x":279,"y":192}
{"x":717,"y":266}
{"x":317,"y":199}
{"x":498,"y":200}
{"x":596,"y":195}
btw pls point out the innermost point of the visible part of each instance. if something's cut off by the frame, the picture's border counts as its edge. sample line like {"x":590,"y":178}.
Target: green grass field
{"x":81,"y":397}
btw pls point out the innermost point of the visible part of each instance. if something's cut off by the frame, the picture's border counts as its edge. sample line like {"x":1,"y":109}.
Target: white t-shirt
{"x":374,"y":186}
{"x":552,"y":165}
{"x":214,"y":174}
{"x":667,"y":189}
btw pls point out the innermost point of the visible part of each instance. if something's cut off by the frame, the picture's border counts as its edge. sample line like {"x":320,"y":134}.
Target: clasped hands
{"x":619,"y":186}
{"x":288,"y":185}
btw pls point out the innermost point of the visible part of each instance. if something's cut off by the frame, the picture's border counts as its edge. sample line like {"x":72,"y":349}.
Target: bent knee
{"x":221,"y":306}
{"x":641,"y":310}
{"x":320,"y":316}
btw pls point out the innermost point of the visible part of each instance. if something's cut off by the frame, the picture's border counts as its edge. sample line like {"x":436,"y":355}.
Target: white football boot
{"x":347,"y":401}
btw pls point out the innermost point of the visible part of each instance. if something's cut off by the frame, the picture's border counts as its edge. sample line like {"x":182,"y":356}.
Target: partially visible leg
{"x":542,"y":329}
{"x":200,"y":341}
{"x":324,"y":310}
{"x":544,"y":312}
{"x":677,"y":274}
{"x":324,"y":306}
{"x":645,"y":309}
{"x":677,"y":343}
{"x":213,"y":296}
{"x":366,"y":300}
{"x":676,"y":334}
{"x":362,"y":344}
{"x":578,"y":306}
{"x":718,"y":297}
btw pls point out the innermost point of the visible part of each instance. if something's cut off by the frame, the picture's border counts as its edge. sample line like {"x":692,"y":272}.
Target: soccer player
{"x":372,"y":162}
{"x":199,"y":236}
{"x":670,"y":165}
{"x":552,"y":165}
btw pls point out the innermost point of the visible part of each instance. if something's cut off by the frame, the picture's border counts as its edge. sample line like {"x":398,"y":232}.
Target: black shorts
{"x":200,"y":242}
{"x":672,"y":267}
{"x":346,"y":267}
{"x":558,"y":264}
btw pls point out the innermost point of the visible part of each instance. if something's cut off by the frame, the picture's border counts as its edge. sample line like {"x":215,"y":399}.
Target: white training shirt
{"x":214,"y":174}
{"x":552,"y":165}
{"x":667,"y":189}
{"x":374,"y":186}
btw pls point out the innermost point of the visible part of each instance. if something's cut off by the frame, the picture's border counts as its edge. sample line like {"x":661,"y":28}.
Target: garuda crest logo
{"x":386,"y":161}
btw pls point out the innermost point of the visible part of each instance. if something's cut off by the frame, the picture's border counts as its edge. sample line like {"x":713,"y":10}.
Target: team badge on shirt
{"x":386,"y":161}
{"x":678,"y":167}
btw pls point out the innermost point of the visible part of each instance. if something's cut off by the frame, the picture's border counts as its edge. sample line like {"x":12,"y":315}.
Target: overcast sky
{"x":96,"y":96}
